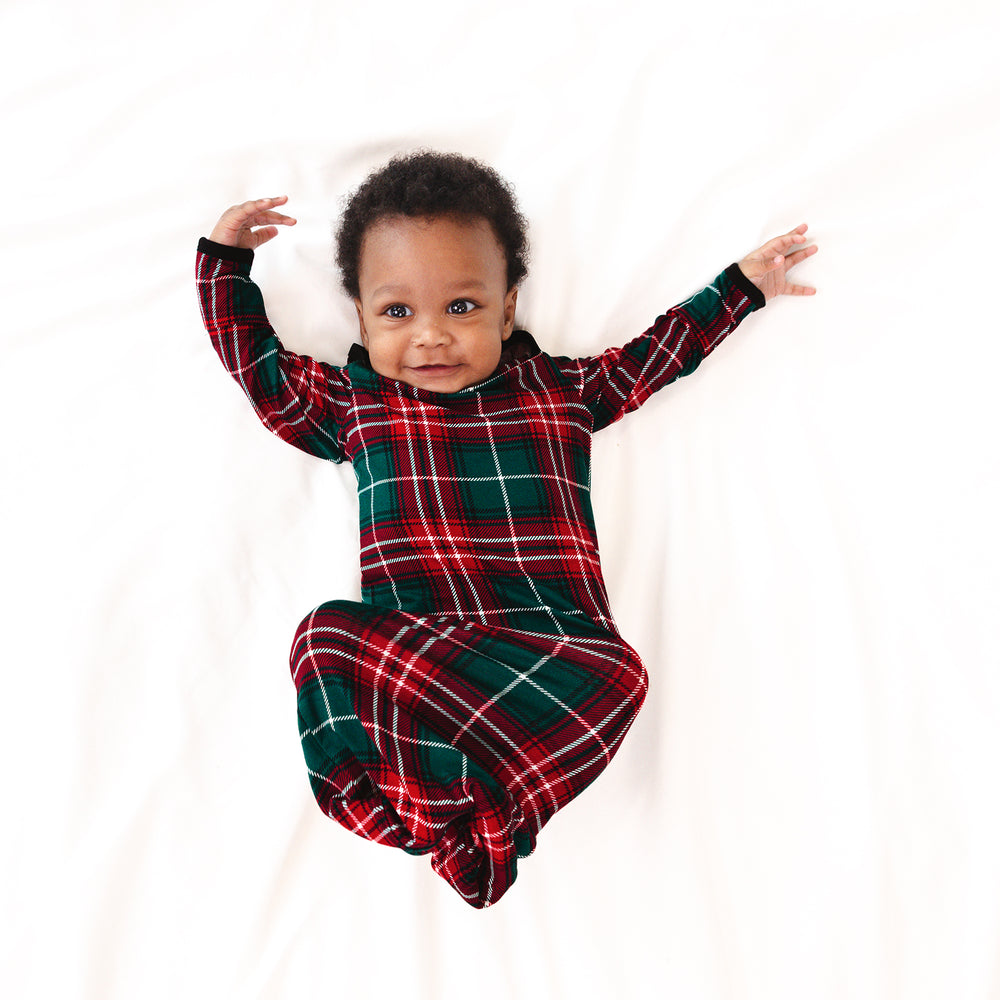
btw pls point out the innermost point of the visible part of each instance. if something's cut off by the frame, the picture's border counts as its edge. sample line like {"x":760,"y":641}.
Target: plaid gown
{"x":480,"y":684}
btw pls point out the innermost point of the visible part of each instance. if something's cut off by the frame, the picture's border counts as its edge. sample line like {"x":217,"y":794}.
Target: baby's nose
{"x":429,"y":333}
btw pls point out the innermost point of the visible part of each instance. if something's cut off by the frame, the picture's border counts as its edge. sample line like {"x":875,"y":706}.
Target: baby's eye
{"x":461,"y":306}
{"x":398,"y":311}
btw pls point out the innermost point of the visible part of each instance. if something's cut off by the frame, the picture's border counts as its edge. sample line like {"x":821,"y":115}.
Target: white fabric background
{"x":799,"y":539}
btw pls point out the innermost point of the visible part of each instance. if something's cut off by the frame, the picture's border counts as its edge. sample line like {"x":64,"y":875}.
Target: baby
{"x":480,"y":684}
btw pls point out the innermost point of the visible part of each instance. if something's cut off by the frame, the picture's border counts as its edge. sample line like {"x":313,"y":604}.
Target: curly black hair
{"x":428,"y":183}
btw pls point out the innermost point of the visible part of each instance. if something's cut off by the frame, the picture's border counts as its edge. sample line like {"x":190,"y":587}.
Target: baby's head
{"x":428,"y":184}
{"x":432,"y":247}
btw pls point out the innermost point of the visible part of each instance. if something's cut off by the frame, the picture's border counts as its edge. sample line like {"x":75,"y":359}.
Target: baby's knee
{"x":334,"y":624}
{"x":329,"y":615}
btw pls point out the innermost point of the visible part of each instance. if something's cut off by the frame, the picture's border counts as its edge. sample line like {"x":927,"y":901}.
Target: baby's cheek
{"x":381,"y":361}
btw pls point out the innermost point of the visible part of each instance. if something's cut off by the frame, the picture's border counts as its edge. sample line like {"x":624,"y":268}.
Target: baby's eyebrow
{"x":390,"y":290}
{"x":468,"y":283}
{"x":462,"y":284}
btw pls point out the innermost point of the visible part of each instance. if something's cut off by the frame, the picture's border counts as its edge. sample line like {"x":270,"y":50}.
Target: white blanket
{"x":799,"y":538}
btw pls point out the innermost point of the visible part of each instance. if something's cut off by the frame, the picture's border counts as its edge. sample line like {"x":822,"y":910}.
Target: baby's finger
{"x":276,"y":218}
{"x":800,"y":255}
{"x":780,"y":244}
{"x":261,"y":236}
{"x":260,"y":204}
{"x":794,"y":234}
{"x":259,"y":208}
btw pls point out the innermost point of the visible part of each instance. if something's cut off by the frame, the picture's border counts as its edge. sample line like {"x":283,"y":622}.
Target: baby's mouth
{"x":435,"y":369}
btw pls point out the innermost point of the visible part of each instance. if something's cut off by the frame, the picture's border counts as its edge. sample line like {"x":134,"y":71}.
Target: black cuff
{"x":238,"y":255}
{"x":742,"y":282}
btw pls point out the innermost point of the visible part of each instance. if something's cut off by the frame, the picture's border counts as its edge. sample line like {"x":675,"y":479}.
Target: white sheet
{"x":799,"y":539}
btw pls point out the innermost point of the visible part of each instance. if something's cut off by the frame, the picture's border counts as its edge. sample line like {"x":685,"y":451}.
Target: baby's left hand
{"x":767,"y":267}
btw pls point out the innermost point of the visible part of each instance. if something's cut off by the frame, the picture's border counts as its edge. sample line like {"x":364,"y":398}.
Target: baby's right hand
{"x":236,"y":226}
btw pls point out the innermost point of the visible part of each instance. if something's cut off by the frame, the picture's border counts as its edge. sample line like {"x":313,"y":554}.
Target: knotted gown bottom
{"x":455,"y":739}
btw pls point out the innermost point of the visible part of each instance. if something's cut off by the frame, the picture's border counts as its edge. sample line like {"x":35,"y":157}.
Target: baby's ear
{"x":361,"y":323}
{"x":509,"y":308}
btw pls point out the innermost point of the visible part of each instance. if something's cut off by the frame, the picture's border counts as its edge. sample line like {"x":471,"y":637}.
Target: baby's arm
{"x":621,"y":379}
{"x":301,"y":400}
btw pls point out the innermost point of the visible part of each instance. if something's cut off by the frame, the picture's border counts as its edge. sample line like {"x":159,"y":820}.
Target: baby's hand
{"x":236,"y":226}
{"x":767,"y":267}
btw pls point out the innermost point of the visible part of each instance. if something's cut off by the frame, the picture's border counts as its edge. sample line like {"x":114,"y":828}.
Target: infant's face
{"x":434,"y":308}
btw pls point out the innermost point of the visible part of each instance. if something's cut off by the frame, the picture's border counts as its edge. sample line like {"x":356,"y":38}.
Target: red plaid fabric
{"x":458,"y":740}
{"x":481,"y":683}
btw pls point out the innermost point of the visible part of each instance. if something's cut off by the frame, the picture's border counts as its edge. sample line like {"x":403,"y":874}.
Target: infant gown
{"x":480,"y":683}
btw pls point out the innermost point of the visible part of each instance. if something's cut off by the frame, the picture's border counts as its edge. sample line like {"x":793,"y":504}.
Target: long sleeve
{"x":302,"y":401}
{"x":621,"y":379}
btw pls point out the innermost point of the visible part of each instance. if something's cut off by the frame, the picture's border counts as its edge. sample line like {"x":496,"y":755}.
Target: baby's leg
{"x":455,"y":739}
